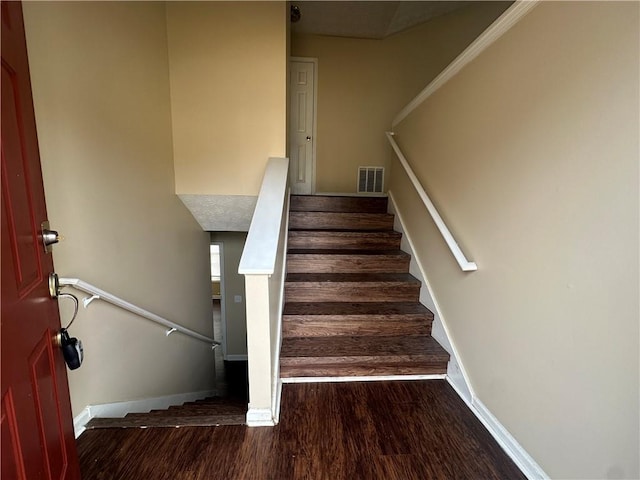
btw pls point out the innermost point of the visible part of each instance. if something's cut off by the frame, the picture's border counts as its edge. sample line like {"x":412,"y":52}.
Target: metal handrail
{"x":465,"y":264}
{"x":98,"y":294}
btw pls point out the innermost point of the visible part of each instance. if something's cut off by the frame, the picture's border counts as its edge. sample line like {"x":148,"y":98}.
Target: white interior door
{"x":302,"y":134}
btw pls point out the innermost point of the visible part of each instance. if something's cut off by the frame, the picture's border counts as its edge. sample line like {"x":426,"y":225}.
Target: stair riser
{"x":343,"y":242}
{"x":319,"y":203}
{"x":362,"y":370}
{"x":370,"y":325}
{"x":327,"y":263}
{"x":351,"y":292}
{"x":340,"y":221}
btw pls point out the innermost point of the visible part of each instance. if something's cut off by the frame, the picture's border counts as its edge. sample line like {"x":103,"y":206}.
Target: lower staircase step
{"x":212,"y":411}
{"x":350,"y":319}
{"x":325,"y":239}
{"x":347,"y":261}
{"x":351,"y":287}
{"x":326,"y":203}
{"x":340,"y":221}
{"x":167,"y":421}
{"x":361,"y":356}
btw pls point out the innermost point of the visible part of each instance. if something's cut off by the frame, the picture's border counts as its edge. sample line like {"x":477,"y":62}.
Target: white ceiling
{"x":367,"y":19}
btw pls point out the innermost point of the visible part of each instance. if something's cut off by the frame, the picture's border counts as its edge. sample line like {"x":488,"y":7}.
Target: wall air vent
{"x":370,"y":179}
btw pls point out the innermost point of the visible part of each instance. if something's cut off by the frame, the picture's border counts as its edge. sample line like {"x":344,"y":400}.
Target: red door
{"x":37,"y":427}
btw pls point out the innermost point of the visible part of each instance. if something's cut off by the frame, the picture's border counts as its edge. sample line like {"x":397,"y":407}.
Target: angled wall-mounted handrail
{"x":465,"y":264}
{"x":98,"y":294}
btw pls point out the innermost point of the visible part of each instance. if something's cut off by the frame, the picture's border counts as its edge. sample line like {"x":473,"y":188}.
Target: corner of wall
{"x":456,"y":374}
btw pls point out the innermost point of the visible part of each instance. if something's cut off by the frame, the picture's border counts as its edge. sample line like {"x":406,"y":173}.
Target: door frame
{"x":314,"y":133}
{"x":223,"y":315}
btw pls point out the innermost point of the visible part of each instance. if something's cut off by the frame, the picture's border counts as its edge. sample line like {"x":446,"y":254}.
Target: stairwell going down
{"x":351,"y":307}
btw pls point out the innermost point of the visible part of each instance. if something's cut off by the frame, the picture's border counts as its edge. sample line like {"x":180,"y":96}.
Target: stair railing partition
{"x":99,"y":294}
{"x":263,"y":263}
{"x":465,"y":264}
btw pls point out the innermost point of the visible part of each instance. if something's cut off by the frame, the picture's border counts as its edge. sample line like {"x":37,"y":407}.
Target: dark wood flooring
{"x":370,"y":430}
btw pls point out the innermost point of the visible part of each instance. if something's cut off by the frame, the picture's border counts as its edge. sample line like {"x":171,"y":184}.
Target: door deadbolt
{"x":49,"y":237}
{"x":54,"y":285}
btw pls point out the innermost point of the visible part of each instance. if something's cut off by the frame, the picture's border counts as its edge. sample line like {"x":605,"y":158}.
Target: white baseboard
{"x":456,"y":374}
{"x":236,"y":358}
{"x":120,"y":409}
{"x":80,"y":420}
{"x":259,"y":417}
{"x":510,"y":445}
{"x":439,"y":330}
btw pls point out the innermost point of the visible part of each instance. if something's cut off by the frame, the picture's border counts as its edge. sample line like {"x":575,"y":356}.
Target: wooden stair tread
{"x":351,"y":306}
{"x":330,"y":203}
{"x":190,"y":412}
{"x":218,"y":401}
{"x":344,"y":239}
{"x":340,"y":221}
{"x":346,"y":309}
{"x":364,"y":370}
{"x":351,"y":278}
{"x":347,"y":261}
{"x":328,"y":350}
{"x":344,"y":233}
{"x":351,"y":287}
{"x":346,"y":252}
{"x":167,"y":421}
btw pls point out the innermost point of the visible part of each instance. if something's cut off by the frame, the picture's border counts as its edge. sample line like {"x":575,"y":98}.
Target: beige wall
{"x":531,"y":153}
{"x":235,"y":313}
{"x":101,"y":90}
{"x":363,"y":83}
{"x":228,"y":64}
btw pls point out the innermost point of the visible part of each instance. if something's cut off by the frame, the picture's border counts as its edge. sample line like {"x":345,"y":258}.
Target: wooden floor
{"x":370,"y":430}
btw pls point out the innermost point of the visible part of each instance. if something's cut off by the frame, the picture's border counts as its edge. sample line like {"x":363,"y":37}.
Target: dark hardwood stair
{"x":351,"y":287}
{"x":344,"y":240}
{"x":351,"y":306}
{"x":340,"y":221}
{"x":347,"y":261}
{"x":325,"y":203}
{"x":302,"y":319}
{"x":212,"y":411}
{"x":362,"y":356}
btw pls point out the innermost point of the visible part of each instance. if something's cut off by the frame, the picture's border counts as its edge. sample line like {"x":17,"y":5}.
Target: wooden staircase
{"x":212,"y":411}
{"x":351,"y":306}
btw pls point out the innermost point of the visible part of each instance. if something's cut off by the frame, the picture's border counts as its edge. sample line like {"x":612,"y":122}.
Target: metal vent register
{"x":370,"y":179}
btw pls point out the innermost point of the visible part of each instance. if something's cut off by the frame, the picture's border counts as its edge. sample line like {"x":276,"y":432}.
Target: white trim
{"x":237,"y":358}
{"x":259,"y":417}
{"x":519,"y":455}
{"x":277,"y":383}
{"x":261,"y":247}
{"x":223,"y":301}
{"x":278,"y":401}
{"x":498,"y":28}
{"x":120,"y":409}
{"x":313,"y":60}
{"x":80,"y":420}
{"x":458,"y":379}
{"x":440,"y":331}
{"x":377,"y":378}
{"x":464,"y":264}
{"x":509,"y":444}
